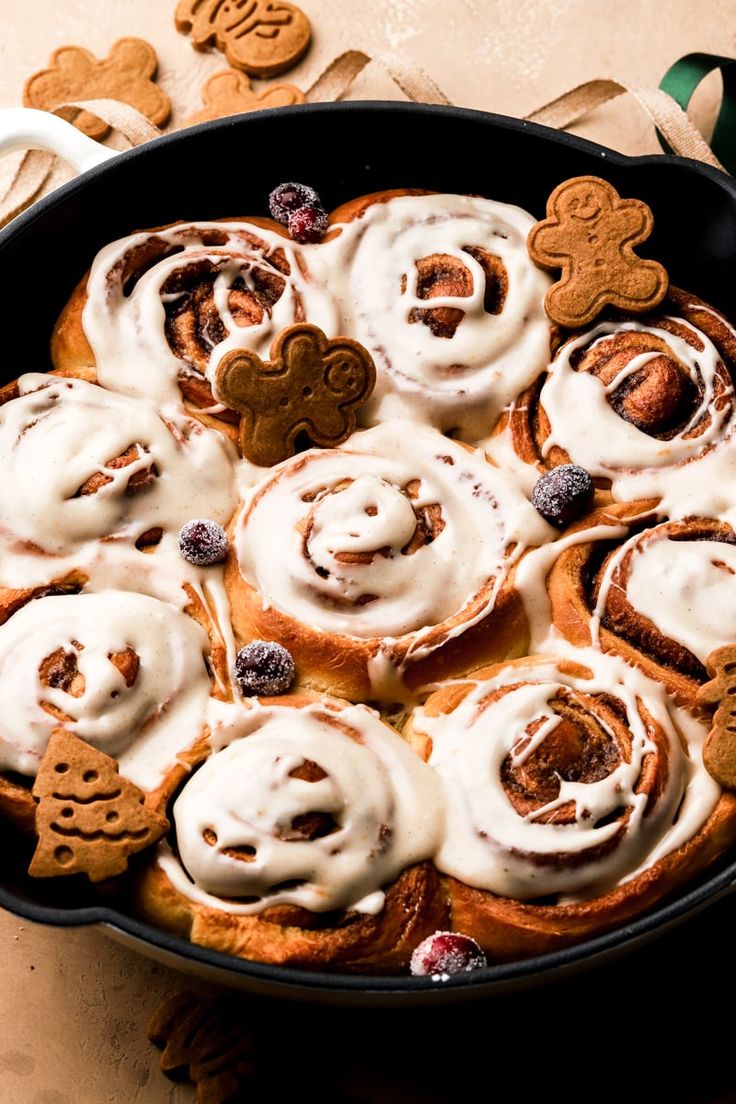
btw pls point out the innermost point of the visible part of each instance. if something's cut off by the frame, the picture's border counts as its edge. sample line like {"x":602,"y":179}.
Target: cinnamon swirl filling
{"x":559,"y":777}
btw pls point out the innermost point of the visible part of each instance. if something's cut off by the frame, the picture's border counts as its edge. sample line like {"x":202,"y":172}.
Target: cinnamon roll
{"x":304,"y":839}
{"x":441,"y":290}
{"x":662,"y":597}
{"x":98,"y":485}
{"x":159,"y":308}
{"x":129,"y":674}
{"x":384,"y":564}
{"x":659,"y":411}
{"x":573,"y":800}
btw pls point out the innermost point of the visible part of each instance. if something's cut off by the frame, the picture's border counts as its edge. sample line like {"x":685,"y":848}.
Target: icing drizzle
{"x":243,"y":820}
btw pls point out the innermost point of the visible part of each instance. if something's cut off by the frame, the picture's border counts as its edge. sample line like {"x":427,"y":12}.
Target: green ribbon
{"x":680,"y":82}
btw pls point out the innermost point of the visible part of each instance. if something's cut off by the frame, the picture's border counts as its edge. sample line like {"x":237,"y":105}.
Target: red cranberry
{"x":203,"y":542}
{"x":264,"y":667}
{"x":446,"y":953}
{"x":287,"y":198}
{"x":307,"y":224}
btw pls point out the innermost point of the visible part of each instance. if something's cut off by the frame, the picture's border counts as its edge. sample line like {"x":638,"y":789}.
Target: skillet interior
{"x":227,"y":168}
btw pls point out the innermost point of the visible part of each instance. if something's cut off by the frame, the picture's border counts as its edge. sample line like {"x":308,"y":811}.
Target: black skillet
{"x":227,"y":168}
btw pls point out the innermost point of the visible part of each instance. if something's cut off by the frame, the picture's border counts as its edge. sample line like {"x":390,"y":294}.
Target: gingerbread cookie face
{"x":261,"y":37}
{"x":125,"y":74}
{"x":719,"y":750}
{"x":590,"y":234}
{"x":310,"y":385}
{"x":229,"y":93}
{"x":89,"y":820}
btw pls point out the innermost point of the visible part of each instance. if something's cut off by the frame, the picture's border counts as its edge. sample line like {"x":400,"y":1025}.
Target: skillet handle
{"x":23,"y":128}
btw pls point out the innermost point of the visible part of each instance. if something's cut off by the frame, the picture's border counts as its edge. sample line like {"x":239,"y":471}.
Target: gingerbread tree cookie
{"x":89,"y":820}
{"x":590,"y":234}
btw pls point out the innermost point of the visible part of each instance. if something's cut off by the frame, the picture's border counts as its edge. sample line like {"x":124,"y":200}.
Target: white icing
{"x":687,"y":589}
{"x":384,"y":800}
{"x":56,"y":436}
{"x":144,"y":725}
{"x":358,"y":500}
{"x":484,"y":515}
{"x":462,"y":382}
{"x":694,"y":472}
{"x":490,"y":845}
{"x":126,"y":329}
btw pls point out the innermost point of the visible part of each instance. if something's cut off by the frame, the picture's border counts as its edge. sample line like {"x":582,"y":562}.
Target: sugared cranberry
{"x":446,"y":953}
{"x":287,"y":198}
{"x":203,"y":542}
{"x":264,"y":667}
{"x":563,"y":494}
{"x":307,"y":225}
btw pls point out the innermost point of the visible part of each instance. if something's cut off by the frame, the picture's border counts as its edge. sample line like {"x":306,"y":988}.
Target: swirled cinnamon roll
{"x":158,"y":308}
{"x":384,"y":564}
{"x":441,"y":290}
{"x":92,"y":481}
{"x":303,"y":839}
{"x":662,"y":597}
{"x":573,"y":801}
{"x":646,"y":405}
{"x":127,"y":673}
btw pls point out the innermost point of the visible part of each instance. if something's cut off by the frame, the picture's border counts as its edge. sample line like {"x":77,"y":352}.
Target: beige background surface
{"x":74,"y":1005}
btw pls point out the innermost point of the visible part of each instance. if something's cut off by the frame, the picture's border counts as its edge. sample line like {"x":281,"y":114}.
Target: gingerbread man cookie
{"x":89,"y":820}
{"x":125,"y":74}
{"x":719,"y":749}
{"x":310,"y":385}
{"x":229,"y":93}
{"x":590,"y":234}
{"x":262,"y":37}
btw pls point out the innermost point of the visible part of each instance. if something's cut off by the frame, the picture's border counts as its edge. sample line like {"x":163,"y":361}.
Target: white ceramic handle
{"x":23,"y":128}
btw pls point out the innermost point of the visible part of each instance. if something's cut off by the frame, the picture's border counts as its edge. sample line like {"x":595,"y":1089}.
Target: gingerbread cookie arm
{"x":632,"y":222}
{"x":197,"y":18}
{"x":548,"y":246}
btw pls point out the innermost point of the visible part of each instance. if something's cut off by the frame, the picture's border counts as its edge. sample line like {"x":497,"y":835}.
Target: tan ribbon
{"x":665,"y":113}
{"x":336,"y":80}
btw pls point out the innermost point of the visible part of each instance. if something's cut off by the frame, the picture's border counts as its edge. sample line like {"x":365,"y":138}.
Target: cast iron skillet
{"x":227,"y":168}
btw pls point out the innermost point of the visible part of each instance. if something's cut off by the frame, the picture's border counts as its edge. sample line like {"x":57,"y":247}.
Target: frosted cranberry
{"x":307,"y":225}
{"x":446,"y":953}
{"x":563,"y":494}
{"x":287,"y":198}
{"x":203,"y":542}
{"x":264,"y":667}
